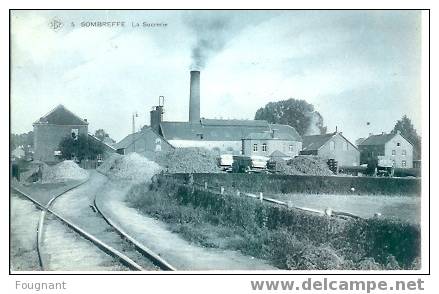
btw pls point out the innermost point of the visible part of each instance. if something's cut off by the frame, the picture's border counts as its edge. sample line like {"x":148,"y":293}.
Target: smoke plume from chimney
{"x":212,"y":34}
{"x":213,"y":30}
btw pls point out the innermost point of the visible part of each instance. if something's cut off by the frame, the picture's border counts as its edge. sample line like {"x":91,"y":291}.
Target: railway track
{"x":126,"y":250}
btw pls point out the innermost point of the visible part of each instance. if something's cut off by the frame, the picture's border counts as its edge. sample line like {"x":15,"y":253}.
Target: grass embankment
{"x":289,"y":239}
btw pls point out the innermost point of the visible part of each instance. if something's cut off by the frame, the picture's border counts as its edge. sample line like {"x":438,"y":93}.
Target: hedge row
{"x":355,"y":241}
{"x":270,"y":183}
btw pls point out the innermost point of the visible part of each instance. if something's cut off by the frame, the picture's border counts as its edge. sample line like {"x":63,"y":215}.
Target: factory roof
{"x":222,"y":130}
{"x":315,"y":142}
{"x":61,"y":116}
{"x":234,"y":122}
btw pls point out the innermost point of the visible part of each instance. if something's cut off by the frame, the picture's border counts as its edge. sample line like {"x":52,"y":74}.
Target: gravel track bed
{"x":76,"y":205}
{"x":65,"y":250}
{"x":23,"y":242}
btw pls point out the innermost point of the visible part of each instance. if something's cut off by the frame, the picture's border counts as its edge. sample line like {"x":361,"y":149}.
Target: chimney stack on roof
{"x":194,"y":98}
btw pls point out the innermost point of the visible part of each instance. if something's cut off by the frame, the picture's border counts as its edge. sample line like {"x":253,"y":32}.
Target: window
{"x":393,"y":163}
{"x":255,"y":147}
{"x":264,"y":147}
{"x":393,"y":152}
{"x":345,"y":146}
{"x":331,"y":145}
{"x":398,"y":144}
{"x":404,"y":152}
{"x":75,"y":134}
{"x":404,"y":163}
{"x":291,"y":148}
{"x":99,"y":157}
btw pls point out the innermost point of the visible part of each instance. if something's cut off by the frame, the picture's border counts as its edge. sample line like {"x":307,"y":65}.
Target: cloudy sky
{"x":353,"y":66}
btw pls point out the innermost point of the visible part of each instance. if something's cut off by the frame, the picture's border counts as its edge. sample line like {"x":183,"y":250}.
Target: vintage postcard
{"x":249,"y":141}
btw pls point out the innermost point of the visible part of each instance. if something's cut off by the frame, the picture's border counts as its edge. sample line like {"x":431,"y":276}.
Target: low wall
{"x":309,"y":184}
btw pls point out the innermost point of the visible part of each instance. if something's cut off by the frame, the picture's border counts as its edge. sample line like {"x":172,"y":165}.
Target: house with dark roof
{"x":332,"y":146}
{"x":51,"y":128}
{"x":146,"y":142}
{"x":392,"y":147}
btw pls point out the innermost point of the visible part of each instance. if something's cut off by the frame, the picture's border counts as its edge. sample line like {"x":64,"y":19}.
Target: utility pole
{"x":134,"y":131}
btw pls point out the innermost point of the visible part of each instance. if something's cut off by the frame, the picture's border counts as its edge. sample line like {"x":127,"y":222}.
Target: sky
{"x":355,"y":67}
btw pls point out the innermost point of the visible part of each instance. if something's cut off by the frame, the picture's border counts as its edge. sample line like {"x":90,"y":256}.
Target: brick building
{"x":50,"y":129}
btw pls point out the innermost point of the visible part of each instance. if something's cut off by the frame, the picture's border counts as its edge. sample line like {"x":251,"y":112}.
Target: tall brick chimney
{"x":194,"y":99}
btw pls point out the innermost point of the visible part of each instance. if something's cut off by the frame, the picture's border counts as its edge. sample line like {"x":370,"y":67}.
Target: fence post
{"x":261,"y":196}
{"x":222,"y":190}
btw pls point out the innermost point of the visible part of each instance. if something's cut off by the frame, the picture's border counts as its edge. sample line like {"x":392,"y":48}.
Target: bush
{"x":290,"y":239}
{"x":273,"y":183}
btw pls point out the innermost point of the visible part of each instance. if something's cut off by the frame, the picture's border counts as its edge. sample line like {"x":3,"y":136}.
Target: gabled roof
{"x":377,"y":140}
{"x":315,"y":142}
{"x":128,"y":140}
{"x":286,"y":129}
{"x":102,"y":142}
{"x":61,"y":116}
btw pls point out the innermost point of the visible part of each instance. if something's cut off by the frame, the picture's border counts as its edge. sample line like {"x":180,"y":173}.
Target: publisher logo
{"x":56,"y":24}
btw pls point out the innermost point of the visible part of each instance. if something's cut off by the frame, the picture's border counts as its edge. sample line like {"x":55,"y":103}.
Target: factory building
{"x":218,"y":135}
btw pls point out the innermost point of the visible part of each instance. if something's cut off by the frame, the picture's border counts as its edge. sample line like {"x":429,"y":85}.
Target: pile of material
{"x":67,"y":170}
{"x":188,"y":160}
{"x":133,"y":167}
{"x":304,"y":165}
{"x":30,"y":174}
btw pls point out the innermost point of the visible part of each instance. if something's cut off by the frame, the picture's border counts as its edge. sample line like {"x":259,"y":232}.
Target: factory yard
{"x":182,"y":226}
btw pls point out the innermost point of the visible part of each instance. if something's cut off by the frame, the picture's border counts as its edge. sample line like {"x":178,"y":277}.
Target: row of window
{"x":265,"y":148}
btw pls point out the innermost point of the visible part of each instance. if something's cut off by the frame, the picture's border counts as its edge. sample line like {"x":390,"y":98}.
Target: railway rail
{"x":129,"y":258}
